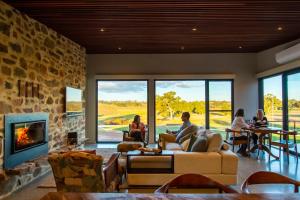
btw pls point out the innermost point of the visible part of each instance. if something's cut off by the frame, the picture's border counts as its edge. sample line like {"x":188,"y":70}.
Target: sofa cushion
{"x":193,"y":138}
{"x":214,"y":142}
{"x":185,"y":144}
{"x":173,"y":146}
{"x":197,"y":162}
{"x":200,"y":145}
{"x":187,"y":131}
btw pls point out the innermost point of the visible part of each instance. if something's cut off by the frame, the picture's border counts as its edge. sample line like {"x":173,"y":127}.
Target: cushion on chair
{"x":77,"y":171}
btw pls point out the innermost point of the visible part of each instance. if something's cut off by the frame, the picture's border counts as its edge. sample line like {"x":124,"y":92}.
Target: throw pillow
{"x":184,"y":138}
{"x":225,"y":147}
{"x":200,"y":145}
{"x":188,"y":130}
{"x":185,"y":144}
{"x":215,"y":142}
{"x":192,"y":140}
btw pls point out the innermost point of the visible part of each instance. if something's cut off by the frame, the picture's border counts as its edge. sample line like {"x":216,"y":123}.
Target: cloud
{"x":122,"y":86}
{"x":179,"y":84}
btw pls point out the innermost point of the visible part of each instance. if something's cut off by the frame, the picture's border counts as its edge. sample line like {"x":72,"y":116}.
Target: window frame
{"x":97,"y":121}
{"x":284,"y":88}
{"x":151,"y":91}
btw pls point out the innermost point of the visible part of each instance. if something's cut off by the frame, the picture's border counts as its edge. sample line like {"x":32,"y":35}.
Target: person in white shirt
{"x":237,"y":125}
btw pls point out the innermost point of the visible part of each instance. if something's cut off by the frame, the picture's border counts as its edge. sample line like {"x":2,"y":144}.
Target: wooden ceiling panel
{"x":165,"y":26}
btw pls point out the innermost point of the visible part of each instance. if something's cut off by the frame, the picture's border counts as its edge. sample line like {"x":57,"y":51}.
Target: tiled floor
{"x":246,"y":167}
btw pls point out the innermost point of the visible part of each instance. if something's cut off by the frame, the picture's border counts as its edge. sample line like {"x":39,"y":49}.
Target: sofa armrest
{"x":111,"y":170}
{"x":229,"y":162}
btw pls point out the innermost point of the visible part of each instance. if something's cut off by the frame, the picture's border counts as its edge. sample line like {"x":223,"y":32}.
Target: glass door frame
{"x":97,"y":121}
{"x":207,"y":111}
{"x":285,"y":112}
{"x":207,"y":99}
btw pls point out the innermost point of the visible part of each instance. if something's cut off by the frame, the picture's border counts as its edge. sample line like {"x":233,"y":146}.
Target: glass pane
{"x":273,"y":100}
{"x":294,"y":102}
{"x":220,"y":105}
{"x":174,"y":97}
{"x":118,"y":103}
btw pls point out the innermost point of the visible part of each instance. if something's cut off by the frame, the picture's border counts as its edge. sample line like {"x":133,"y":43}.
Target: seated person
{"x":259,"y":121}
{"x":185,"y":118}
{"x":173,"y":136}
{"x":137,"y":129}
{"x":237,"y":125}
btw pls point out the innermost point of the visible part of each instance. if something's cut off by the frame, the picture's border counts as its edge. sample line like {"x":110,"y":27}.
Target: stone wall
{"x":30,"y":51}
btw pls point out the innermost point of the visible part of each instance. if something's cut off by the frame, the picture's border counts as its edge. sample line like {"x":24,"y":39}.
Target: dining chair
{"x":230,"y":138}
{"x":77,"y":171}
{"x":285,"y":142}
{"x":193,"y":181}
{"x":264,"y":177}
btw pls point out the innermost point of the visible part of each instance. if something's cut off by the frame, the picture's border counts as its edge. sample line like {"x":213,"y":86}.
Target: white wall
{"x":266,"y":59}
{"x":242,"y":65}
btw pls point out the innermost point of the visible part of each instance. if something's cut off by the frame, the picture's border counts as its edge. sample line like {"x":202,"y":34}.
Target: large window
{"x":174,"y":97}
{"x":280,"y":99}
{"x":272,"y":98}
{"x":118,"y":103}
{"x":160,"y":102}
{"x":220,"y":105}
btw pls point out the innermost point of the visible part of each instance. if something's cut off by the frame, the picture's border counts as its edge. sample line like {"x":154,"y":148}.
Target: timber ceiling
{"x":169,"y":26}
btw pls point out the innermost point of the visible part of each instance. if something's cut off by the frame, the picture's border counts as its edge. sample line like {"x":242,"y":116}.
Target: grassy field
{"x":115,"y":118}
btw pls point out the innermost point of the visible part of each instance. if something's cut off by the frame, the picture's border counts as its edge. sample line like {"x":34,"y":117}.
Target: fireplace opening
{"x":27,"y":135}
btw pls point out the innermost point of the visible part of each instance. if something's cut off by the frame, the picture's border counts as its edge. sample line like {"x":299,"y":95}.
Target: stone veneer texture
{"x":30,"y":51}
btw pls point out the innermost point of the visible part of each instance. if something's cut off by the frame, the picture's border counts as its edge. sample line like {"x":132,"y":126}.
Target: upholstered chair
{"x":84,"y":172}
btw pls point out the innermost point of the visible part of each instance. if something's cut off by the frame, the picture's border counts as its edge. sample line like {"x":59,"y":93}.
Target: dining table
{"x":133,"y":196}
{"x":262,"y":132}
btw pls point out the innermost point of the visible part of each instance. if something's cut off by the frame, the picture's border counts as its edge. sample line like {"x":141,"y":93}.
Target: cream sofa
{"x":221,"y":166}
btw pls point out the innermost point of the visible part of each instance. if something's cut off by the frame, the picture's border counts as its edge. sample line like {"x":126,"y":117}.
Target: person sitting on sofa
{"x":237,"y":125}
{"x":185,"y":118}
{"x":137,"y":129}
{"x":181,"y":135}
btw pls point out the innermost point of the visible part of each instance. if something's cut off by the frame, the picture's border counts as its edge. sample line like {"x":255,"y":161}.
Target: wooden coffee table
{"x":164,"y":153}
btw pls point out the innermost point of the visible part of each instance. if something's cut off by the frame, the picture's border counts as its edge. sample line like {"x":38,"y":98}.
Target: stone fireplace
{"x":26,"y":137}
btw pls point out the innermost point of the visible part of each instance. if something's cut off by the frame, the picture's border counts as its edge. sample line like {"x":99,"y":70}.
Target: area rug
{"x":49,"y":182}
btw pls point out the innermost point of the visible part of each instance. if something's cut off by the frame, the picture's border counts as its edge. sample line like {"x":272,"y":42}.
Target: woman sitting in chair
{"x":137,"y":129}
{"x":237,"y":125}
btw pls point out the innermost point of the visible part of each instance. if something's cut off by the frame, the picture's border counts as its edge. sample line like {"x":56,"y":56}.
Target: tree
{"x":272,"y":103}
{"x":168,"y":104}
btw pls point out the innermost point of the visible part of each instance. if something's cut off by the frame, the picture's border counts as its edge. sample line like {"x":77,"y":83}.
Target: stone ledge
{"x":18,"y":177}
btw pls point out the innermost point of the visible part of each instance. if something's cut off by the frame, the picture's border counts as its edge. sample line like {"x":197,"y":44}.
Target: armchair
{"x":77,"y":171}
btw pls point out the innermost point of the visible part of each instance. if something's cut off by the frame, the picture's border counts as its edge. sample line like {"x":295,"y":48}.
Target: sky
{"x":74,"y":94}
{"x":137,"y":90}
{"x":273,"y":85}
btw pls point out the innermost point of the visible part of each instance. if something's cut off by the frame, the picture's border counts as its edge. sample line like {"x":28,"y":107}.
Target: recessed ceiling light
{"x":102,"y":29}
{"x":182,"y":47}
{"x":119,"y":48}
{"x":240,"y":47}
{"x":194,"y":29}
{"x":279,"y":28}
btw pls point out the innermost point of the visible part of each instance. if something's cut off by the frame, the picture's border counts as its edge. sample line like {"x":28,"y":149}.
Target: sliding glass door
{"x":118,"y":102}
{"x":272,"y":98}
{"x":220,"y":105}
{"x":280,"y":99}
{"x":293,"y":88}
{"x":172,"y":97}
